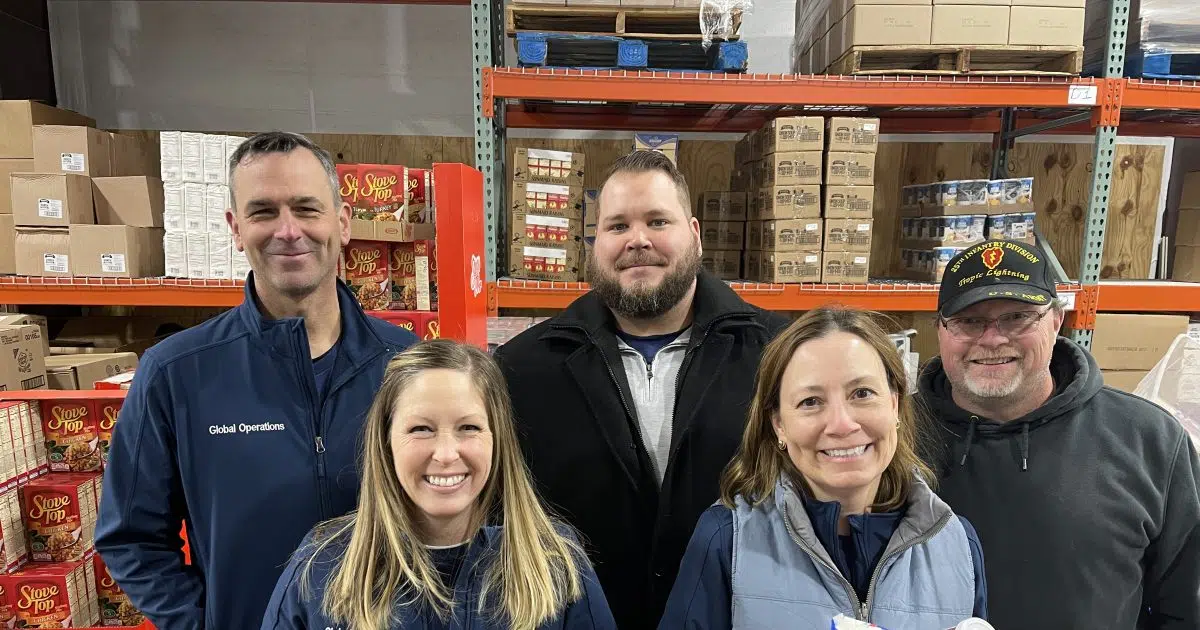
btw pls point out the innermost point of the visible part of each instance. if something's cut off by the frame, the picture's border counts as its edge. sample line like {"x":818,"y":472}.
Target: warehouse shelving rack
{"x":1007,"y":106}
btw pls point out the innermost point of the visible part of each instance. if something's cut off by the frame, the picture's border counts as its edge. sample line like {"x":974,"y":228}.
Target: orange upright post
{"x":462,"y":296}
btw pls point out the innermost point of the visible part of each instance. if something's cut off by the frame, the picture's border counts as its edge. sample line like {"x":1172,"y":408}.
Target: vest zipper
{"x":923,"y":538}
{"x":861,"y":609}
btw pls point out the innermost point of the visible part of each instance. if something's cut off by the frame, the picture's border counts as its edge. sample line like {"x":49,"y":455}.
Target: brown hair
{"x":535,"y":572}
{"x":644,"y":161}
{"x":758,"y":464}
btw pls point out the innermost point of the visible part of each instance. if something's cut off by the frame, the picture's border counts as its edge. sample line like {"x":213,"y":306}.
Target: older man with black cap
{"x":1085,"y":498}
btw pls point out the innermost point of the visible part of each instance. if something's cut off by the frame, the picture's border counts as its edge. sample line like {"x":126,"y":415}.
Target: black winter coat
{"x":578,"y":431}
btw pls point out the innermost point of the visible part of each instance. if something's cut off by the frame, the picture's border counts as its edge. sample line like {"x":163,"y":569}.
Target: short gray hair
{"x":282,"y":142}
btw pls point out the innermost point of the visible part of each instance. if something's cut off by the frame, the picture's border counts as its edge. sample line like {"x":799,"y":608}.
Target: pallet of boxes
{"x":546,"y":215}
{"x":942,"y":37}
{"x":198,"y":243}
{"x":811,"y":209}
{"x":939,"y":220}
{"x":81,"y":201}
{"x":390,"y":263}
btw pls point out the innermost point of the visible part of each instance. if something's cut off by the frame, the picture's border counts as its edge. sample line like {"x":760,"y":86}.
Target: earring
{"x":781,"y":446}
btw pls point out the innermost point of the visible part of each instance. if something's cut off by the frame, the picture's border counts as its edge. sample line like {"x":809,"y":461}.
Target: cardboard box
{"x":116,"y":251}
{"x":726,"y":265}
{"x":545,"y":231}
{"x":231,"y":146}
{"x":790,"y":267}
{"x":794,"y":133}
{"x":974,"y":25}
{"x":855,"y":135}
{"x":22,"y":319}
{"x":173,"y":206}
{"x":81,"y":371}
{"x":849,"y":202}
{"x":848,"y":235}
{"x":1134,"y":342}
{"x":790,"y":235}
{"x":390,"y":231}
{"x":22,"y":365}
{"x":1046,"y":26}
{"x":548,"y":167}
{"x":884,"y":25}
{"x":240,"y":265}
{"x":8,"y":245}
{"x":17,"y":121}
{"x":1185,"y":268}
{"x":1187,"y":231}
{"x":722,"y":206}
{"x":43,"y":251}
{"x":986,"y":3}
{"x":130,"y":155}
{"x":192,"y":157}
{"x":78,"y":150}
{"x":175,"y":254}
{"x":170,"y":154}
{"x":790,"y":169}
{"x":839,"y":8}
{"x":591,"y":212}
{"x":724,"y":235}
{"x":544,"y":263}
{"x":212,"y":155}
{"x":788,"y":202}
{"x":845,"y":267}
{"x":849,"y":169}
{"x":752,"y":265}
{"x":136,"y":200}
{"x":51,"y":199}
{"x":7,"y":168}
{"x":665,"y":143}
{"x":557,"y":200}
{"x":195,"y":207}
{"x":1124,"y":380}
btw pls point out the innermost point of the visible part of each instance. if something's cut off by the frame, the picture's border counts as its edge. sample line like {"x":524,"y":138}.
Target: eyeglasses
{"x":1008,"y":324}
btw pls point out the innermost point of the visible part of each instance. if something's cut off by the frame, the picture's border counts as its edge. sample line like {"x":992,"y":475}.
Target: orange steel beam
{"x":679,"y":87}
{"x":1149,"y":296}
{"x":1161,"y":94}
{"x":120,"y":295}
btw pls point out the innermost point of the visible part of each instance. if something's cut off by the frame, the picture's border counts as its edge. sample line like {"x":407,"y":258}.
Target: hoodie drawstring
{"x":1024,"y":446}
{"x":967,"y":442}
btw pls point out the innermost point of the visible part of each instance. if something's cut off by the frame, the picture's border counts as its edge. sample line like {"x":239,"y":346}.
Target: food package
{"x":72,"y":435}
{"x":368,"y":273}
{"x":60,"y":516}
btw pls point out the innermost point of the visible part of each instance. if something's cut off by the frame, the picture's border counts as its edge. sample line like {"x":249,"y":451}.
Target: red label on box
{"x":404,"y":277}
{"x":108,"y":410}
{"x":54,"y":519}
{"x":381,"y":188}
{"x":348,"y":183}
{"x":72,"y":435}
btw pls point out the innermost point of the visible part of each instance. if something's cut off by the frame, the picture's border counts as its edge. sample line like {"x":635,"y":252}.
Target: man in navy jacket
{"x":246,"y":427}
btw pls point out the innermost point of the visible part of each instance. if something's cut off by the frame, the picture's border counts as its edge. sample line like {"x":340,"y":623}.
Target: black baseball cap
{"x":996,"y":270}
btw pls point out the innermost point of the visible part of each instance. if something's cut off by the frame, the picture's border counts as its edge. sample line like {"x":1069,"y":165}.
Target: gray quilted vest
{"x":784,"y":578}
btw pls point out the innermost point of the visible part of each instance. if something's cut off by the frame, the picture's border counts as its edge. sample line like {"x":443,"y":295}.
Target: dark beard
{"x":645,"y":304}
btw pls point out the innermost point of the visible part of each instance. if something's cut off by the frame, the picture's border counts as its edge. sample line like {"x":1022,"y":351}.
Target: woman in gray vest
{"x":826,"y":509}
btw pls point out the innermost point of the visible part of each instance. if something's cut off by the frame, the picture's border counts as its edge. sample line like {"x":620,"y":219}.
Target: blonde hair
{"x":531,"y":578}
{"x":758,"y":464}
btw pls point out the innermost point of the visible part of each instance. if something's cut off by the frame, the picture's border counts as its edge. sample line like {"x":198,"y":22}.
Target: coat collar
{"x":358,"y":342}
{"x":714,"y":301}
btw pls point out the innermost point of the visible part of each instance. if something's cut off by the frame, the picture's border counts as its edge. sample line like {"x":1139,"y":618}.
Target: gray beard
{"x":640,"y":303}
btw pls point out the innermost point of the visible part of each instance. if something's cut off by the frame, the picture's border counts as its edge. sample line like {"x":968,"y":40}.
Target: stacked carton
{"x":828,"y":29}
{"x":77,"y":201}
{"x":722,"y":218}
{"x":812,"y":183}
{"x":942,"y":219}
{"x":1187,"y":232}
{"x":545,"y":222}
{"x":197,"y":241}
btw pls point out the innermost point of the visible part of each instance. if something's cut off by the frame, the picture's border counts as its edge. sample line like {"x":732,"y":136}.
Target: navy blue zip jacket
{"x":291,"y":608}
{"x":705,"y":578}
{"x":223,"y":428}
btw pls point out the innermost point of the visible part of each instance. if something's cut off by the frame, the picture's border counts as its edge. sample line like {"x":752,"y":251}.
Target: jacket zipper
{"x":861,"y":609}
{"x":637,"y":429}
{"x":923,"y":538}
{"x":318,"y":440}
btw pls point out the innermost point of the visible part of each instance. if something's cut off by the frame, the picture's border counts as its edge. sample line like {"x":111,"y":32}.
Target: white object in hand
{"x":974,"y":623}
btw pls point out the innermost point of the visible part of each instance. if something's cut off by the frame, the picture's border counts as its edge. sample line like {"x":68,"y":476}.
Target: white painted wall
{"x":249,"y":66}
{"x":211,"y":65}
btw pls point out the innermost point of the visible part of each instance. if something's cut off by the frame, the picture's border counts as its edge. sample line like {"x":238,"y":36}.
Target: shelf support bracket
{"x":1108,"y":116}
{"x":487,"y":46}
{"x":1003,"y":143}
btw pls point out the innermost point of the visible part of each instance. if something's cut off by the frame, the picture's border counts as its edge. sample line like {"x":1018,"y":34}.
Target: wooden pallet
{"x":638,"y":22}
{"x":947,"y":60}
{"x":569,"y":50}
